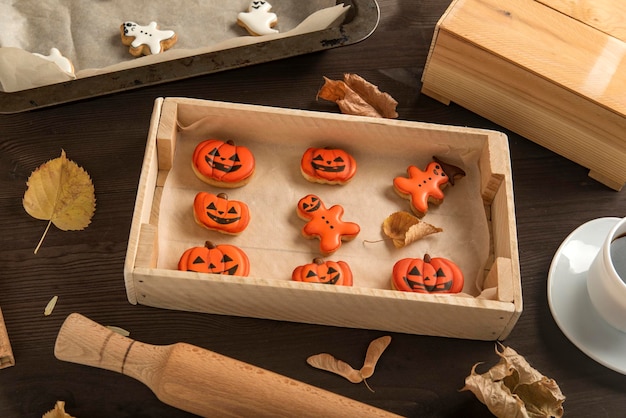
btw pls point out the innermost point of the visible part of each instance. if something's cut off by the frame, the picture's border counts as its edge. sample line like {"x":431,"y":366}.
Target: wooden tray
{"x":361,"y":21}
{"x":359,"y":307}
{"x":552,"y":71}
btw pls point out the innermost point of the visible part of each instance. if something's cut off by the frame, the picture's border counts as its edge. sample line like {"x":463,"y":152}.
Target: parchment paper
{"x":273,"y":239}
{"x":87,"y":32}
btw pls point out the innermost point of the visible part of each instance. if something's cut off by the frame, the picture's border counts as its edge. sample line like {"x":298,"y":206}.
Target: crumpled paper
{"x":514,"y":389}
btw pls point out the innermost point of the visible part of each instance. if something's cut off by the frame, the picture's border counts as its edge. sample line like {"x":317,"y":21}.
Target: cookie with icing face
{"x":222,"y":163}
{"x":258,"y":20}
{"x":327,"y":165}
{"x":218,"y":213}
{"x":325,"y":223}
{"x":146,"y":40}
{"x":424,"y":187}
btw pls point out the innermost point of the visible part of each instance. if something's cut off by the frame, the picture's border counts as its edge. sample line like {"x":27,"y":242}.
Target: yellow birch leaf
{"x":60,"y":192}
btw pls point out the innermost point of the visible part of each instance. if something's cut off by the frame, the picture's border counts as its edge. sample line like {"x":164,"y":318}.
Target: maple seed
{"x":60,"y":192}
{"x":327,"y":362}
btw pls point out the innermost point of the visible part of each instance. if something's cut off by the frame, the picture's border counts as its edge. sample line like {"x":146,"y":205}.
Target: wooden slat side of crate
{"x":486,"y":69}
{"x":142,"y":212}
{"x":347,"y":307}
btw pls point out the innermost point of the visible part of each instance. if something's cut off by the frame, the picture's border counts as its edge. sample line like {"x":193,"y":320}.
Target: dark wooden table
{"x":419,"y":376}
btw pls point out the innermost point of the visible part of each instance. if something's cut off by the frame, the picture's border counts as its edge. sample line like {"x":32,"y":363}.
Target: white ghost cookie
{"x":258,"y":20}
{"x":62,"y":62}
{"x":146,"y":40}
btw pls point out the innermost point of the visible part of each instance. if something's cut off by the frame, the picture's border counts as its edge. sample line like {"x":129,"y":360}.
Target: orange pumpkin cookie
{"x":427,"y":275}
{"x":223,"y":164}
{"x":217,"y":213}
{"x":325,"y":272}
{"x":327,"y":165}
{"x":424,"y":187}
{"x":215,"y":259}
{"x":325,"y":224}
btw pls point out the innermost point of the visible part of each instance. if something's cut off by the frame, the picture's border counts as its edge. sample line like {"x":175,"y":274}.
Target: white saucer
{"x":569,"y":301}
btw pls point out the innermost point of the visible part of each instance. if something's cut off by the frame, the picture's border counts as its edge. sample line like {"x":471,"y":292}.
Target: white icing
{"x":258,"y":19}
{"x":56,"y":57}
{"x":147,"y":35}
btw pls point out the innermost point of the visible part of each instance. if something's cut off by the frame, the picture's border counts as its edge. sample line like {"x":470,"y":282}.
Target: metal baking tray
{"x":360,"y":22}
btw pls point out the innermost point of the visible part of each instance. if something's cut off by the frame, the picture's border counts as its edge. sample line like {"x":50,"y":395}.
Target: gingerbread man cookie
{"x":146,"y":40}
{"x":424,"y":187}
{"x":258,"y":20}
{"x":325,"y":224}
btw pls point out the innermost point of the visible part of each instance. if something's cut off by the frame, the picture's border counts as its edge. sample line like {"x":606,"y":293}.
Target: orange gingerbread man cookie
{"x":325,"y":224}
{"x":424,"y":187}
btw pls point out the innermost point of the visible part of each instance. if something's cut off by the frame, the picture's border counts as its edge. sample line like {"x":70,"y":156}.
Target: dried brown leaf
{"x":356,"y":96}
{"x":513,"y":388}
{"x":404,"y":228}
{"x":58,"y":411}
{"x":374,"y":351}
{"x":327,"y":362}
{"x":60,"y":192}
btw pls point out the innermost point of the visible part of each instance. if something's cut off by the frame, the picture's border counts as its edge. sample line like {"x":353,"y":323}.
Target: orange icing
{"x":326,"y":272}
{"x":422,"y":186}
{"x":215,"y":259}
{"x":328,"y":165}
{"x":223,"y":161}
{"x":428,"y":275}
{"x":217,"y":213}
{"x":325,"y":224}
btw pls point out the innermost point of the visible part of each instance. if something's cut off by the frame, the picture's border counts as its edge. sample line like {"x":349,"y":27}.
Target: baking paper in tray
{"x":273,"y":240}
{"x":88,"y":33}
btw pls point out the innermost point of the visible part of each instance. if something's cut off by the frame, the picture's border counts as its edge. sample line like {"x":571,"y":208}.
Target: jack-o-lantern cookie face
{"x":217,"y":213}
{"x":223,"y":164}
{"x":327,"y":165}
{"x":215,"y":259}
{"x":424,"y":187}
{"x":325,"y":223}
{"x":427,"y":275}
{"x":326,"y":272}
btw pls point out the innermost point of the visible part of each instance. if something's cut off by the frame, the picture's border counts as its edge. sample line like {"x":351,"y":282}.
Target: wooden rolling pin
{"x":200,"y":381}
{"x":6,"y":354}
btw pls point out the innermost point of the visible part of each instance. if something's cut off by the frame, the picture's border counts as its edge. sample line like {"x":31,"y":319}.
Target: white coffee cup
{"x":606,"y":278}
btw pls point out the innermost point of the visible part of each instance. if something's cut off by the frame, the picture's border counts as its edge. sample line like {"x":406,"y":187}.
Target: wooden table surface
{"x":418,"y":376}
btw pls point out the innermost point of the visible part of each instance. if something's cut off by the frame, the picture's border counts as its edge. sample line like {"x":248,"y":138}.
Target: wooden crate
{"x":279,"y":298}
{"x":551,"y":70}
